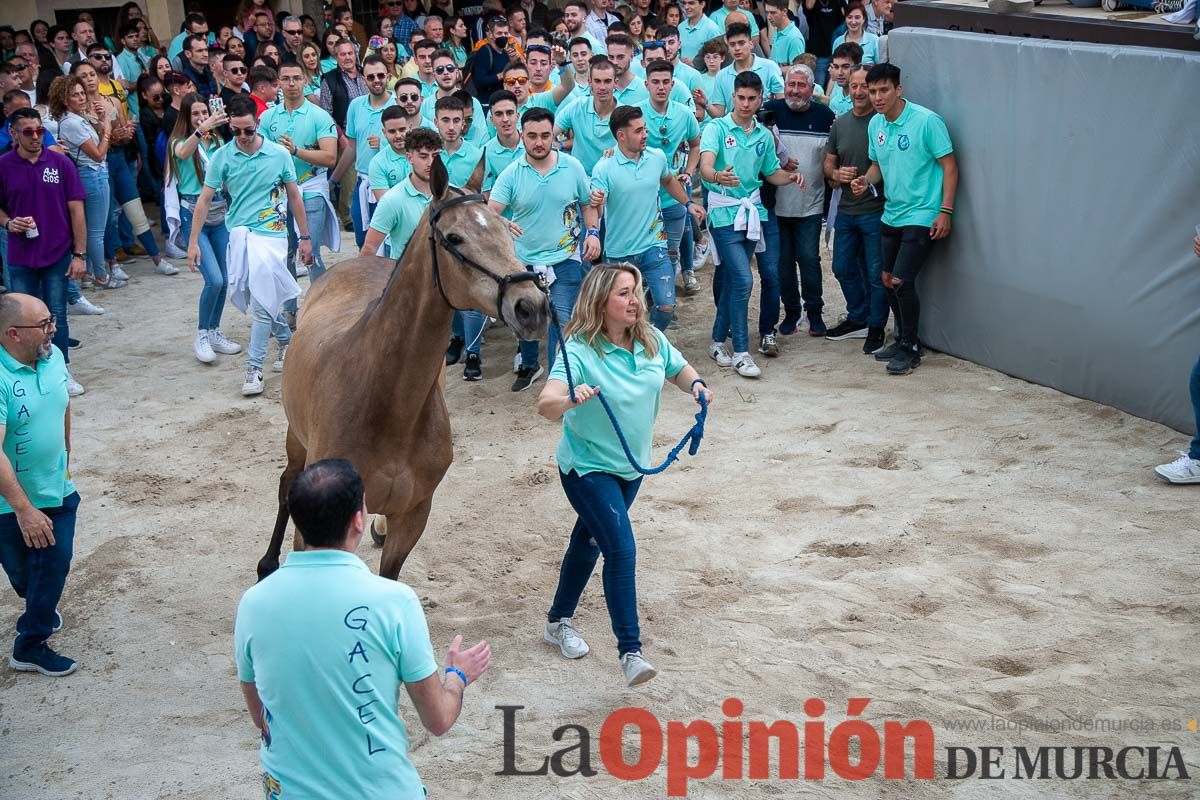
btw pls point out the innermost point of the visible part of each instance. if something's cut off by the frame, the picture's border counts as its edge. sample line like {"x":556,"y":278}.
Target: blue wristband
{"x":592,"y":232}
{"x":459,"y":673}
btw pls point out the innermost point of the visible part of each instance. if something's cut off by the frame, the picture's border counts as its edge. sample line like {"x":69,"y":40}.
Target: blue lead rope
{"x":693,"y":436}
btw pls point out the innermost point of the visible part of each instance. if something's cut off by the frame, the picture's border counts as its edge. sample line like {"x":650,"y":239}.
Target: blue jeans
{"x":38,"y":574}
{"x":315,"y":212}
{"x":1194,"y":452}
{"x":857,"y":262}
{"x":821,"y":73}
{"x":568,"y":277}
{"x":678,"y":225}
{"x":4,"y":253}
{"x":468,"y":326}
{"x":360,"y":232}
{"x":214,"y":244}
{"x":95,"y":210}
{"x":125,"y":190}
{"x":658,"y":278}
{"x":602,"y":502}
{"x":800,"y":246}
{"x":262,"y":327}
{"x":768,"y":277}
{"x":732,"y":282}
{"x":48,"y":284}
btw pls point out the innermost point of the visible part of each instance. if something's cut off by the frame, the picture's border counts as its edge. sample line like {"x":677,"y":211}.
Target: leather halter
{"x":438,"y":239}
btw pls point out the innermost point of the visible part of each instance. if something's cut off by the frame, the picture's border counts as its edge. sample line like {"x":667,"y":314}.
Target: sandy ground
{"x":955,"y":544}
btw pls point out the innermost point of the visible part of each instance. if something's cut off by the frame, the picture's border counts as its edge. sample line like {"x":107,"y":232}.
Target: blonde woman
{"x":310,"y":63}
{"x":613,"y":347}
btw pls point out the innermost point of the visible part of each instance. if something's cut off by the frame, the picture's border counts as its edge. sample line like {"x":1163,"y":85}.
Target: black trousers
{"x":905,"y":251}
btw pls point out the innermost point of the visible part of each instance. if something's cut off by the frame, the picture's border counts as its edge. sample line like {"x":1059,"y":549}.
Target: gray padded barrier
{"x":1070,"y":263}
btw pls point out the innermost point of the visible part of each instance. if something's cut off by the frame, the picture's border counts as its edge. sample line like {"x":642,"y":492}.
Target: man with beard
{"x":401,"y":207}
{"x":38,"y":501}
{"x":195,"y":65}
{"x":364,"y":129}
{"x":409,"y":98}
{"x":547,"y":193}
{"x":574,"y":14}
{"x":447,"y":75}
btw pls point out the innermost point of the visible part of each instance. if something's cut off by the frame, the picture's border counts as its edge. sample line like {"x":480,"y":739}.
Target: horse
{"x":364,"y":374}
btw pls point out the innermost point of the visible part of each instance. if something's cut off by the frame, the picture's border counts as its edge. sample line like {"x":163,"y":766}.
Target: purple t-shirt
{"x":39,"y":190}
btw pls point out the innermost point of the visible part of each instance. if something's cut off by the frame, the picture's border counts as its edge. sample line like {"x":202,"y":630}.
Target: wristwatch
{"x":80,"y":256}
{"x":304,"y":238}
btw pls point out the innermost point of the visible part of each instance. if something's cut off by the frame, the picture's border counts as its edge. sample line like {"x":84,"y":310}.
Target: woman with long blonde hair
{"x":612,"y":346}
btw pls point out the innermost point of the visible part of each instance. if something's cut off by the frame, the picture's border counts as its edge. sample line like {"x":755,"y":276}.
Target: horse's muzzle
{"x":531,"y":315}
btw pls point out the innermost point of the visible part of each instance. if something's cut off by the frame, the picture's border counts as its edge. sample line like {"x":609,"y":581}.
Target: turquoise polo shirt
{"x":692,"y":37}
{"x":363,"y":121}
{"x":497,"y":158}
{"x":907,"y":151}
{"x":751,"y":155}
{"x":592,"y":133}
{"x":545,"y":207}
{"x":397,"y":214}
{"x":670,"y":132}
{"x":540,"y":100}
{"x":633,"y":385}
{"x":634,"y":223}
{"x":869,"y":44}
{"x":256,"y":186}
{"x":686,"y":74}
{"x":327,"y":645}
{"x":477,"y":133}
{"x":839,"y":101}
{"x":387,"y":169}
{"x":33,"y":407}
{"x":787,"y":44}
{"x":721,"y":13}
{"x":767,"y":70}
{"x":461,"y":163}
{"x":186,"y":180}
{"x":306,"y":126}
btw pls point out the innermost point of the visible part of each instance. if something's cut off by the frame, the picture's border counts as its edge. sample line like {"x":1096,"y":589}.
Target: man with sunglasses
{"x":38,"y":501}
{"x":293,"y":39}
{"x":403,"y":26}
{"x":40,"y":191}
{"x":448,"y":75}
{"x":27,"y":53}
{"x":364,"y":132}
{"x":235,"y":78}
{"x":409,"y":98}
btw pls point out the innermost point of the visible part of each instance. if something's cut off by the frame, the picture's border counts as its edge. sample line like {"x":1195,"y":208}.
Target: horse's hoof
{"x":378,"y":529}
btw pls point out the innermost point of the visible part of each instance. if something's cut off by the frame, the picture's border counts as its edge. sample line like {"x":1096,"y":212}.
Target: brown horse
{"x":363,"y":373}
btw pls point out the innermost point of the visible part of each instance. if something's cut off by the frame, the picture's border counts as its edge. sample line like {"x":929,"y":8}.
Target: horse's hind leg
{"x":403,"y":531}
{"x":296,"y":456}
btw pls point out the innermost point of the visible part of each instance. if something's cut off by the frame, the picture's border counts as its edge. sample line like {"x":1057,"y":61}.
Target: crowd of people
{"x":622,"y":145}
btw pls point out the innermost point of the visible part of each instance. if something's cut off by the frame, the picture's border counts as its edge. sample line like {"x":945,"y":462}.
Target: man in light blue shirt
{"x":447,"y":74}
{"x":695,"y":29}
{"x":729,"y":7}
{"x":788,"y":41}
{"x":586,"y":118}
{"x":548,"y":192}
{"x":390,"y":165}
{"x":322,"y":647}
{"x":628,"y":183}
{"x":741,"y":47}
{"x":364,"y":126}
{"x":401,"y":207}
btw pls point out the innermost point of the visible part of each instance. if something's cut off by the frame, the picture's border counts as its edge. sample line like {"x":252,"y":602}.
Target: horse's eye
{"x":454,"y":239}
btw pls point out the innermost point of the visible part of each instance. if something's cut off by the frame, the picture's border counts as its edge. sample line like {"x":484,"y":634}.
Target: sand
{"x":954,"y":545}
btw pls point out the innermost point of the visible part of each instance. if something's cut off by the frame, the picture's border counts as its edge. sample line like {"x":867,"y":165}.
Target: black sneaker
{"x":846,"y":330}
{"x":887,"y":353}
{"x":905,"y":361}
{"x":790,"y":324}
{"x":454,"y":352}
{"x":816,"y":325}
{"x":526,"y":376}
{"x":874,"y":342}
{"x":473,"y":371}
{"x":43,"y":660}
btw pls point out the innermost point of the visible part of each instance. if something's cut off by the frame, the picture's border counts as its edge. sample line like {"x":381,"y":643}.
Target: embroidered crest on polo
{"x":730,"y":141}
{"x":902,"y":141}
{"x":880,"y":137}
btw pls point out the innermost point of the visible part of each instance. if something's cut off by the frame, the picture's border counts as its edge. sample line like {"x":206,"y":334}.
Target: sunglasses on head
{"x":445,"y":69}
{"x":518,"y":80}
{"x":39,"y":132}
{"x":244,"y":131}
{"x":654,"y":45}
{"x":538,"y":48}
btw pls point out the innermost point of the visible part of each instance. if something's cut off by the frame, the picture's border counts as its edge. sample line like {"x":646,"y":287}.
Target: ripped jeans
{"x":658,"y":276}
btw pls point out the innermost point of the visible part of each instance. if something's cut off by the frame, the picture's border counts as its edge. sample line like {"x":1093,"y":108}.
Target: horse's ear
{"x":475,"y":182}
{"x":439,"y":179}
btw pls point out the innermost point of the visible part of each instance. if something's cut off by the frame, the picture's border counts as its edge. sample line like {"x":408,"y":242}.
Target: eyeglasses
{"x":519,"y":80}
{"x":244,"y":131}
{"x":38,"y":132}
{"x":46,"y":325}
{"x":236,"y":70}
{"x":408,"y":98}
{"x":445,"y":69}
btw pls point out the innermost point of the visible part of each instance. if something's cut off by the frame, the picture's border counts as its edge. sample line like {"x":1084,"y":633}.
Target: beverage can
{"x":32,"y":233}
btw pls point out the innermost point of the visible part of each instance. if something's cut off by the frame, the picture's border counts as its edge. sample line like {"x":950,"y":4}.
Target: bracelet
{"x":699,"y":381}
{"x":459,"y":673}
{"x":304,"y":238}
{"x":592,"y":232}
{"x":948,"y":211}
{"x":80,"y":256}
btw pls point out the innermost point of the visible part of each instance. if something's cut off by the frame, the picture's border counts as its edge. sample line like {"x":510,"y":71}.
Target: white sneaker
{"x":119,"y":273}
{"x":719,"y":352}
{"x":220,"y":344}
{"x":745,"y":365}
{"x":278,"y":365}
{"x":563,"y":635}
{"x":173,"y":250}
{"x":74,"y":387}
{"x":166,"y":268}
{"x":1184,"y":469}
{"x":699,"y":254}
{"x":203,"y":348}
{"x":301,"y":270}
{"x":637,"y":669}
{"x":254,"y":382}
{"x":83,"y":308}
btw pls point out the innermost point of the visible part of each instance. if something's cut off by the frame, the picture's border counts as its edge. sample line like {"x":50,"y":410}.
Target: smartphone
{"x":215,"y":105}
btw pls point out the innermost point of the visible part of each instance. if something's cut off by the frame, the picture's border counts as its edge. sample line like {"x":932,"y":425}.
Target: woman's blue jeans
{"x":38,"y":575}
{"x":468,"y":326}
{"x":602,"y":502}
{"x":732,"y":282}
{"x":48,"y":284}
{"x":214,"y":244}
{"x":95,"y":210}
{"x":1195,"y":387}
{"x":124,"y":190}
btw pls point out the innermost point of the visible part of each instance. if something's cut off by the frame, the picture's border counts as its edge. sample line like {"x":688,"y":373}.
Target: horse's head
{"x":474,"y":259}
